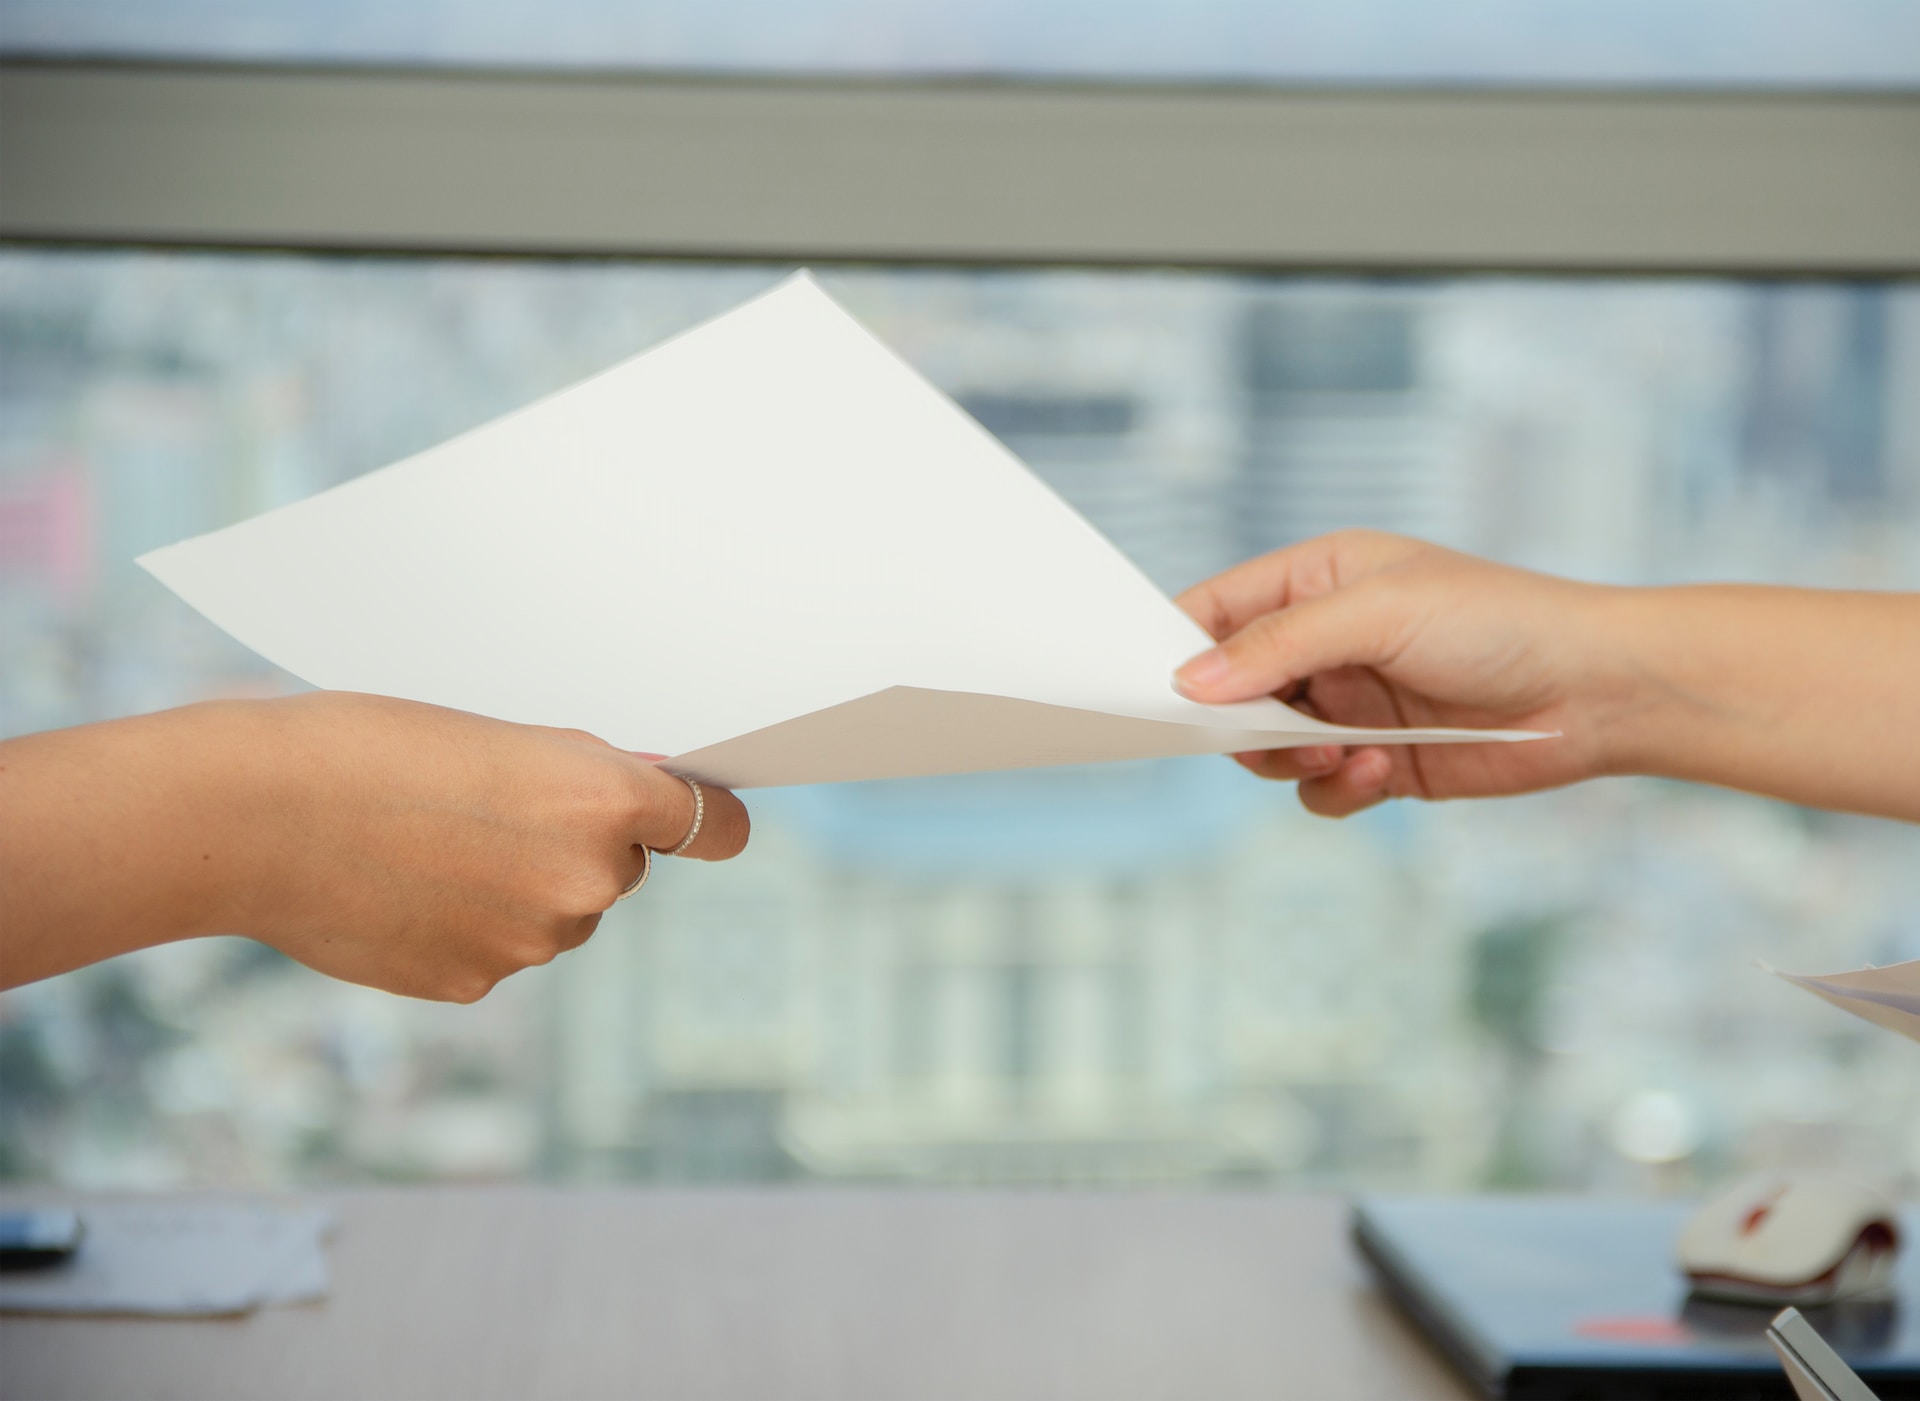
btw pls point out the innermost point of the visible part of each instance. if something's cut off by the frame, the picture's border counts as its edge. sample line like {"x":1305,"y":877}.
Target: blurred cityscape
{"x":1160,"y":973}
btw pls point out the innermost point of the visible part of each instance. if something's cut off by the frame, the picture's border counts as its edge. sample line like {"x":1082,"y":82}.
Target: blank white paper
{"x":767,"y":548}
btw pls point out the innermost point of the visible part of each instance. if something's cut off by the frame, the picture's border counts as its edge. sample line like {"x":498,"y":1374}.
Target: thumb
{"x":1355,"y":626}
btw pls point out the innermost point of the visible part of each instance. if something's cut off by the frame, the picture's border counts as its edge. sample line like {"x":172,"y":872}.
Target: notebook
{"x":1563,"y":1297}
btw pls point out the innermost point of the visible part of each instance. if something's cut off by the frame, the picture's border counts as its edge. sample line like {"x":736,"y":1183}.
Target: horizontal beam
{"x":1762,"y":184}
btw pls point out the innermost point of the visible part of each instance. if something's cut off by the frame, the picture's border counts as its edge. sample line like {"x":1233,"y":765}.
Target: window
{"x":1136,"y":974}
{"x":1791,"y":43}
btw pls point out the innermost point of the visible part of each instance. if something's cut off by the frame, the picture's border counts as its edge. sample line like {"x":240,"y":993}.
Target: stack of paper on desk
{"x":1888,"y":997}
{"x":767,"y":548}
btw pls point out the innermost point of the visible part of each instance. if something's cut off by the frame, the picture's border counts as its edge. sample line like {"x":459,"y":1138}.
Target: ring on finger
{"x":646,"y":869}
{"x":699,"y":816}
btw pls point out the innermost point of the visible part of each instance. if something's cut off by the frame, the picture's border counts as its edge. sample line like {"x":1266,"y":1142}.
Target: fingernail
{"x":1319,"y":759}
{"x":1208,"y":669}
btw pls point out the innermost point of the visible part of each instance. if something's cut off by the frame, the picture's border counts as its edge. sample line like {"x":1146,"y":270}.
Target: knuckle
{"x":537,"y":948}
{"x":579,"y":932}
{"x":467,"y":988}
{"x":586,"y":891}
{"x":608,"y":789}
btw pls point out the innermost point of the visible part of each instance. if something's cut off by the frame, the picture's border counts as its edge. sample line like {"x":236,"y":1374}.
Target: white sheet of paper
{"x":766,"y":548}
{"x":1888,"y":997}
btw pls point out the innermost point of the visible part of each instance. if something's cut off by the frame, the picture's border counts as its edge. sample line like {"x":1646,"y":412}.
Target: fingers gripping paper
{"x":767,"y":548}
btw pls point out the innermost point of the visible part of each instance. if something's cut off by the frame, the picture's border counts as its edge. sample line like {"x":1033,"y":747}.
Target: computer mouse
{"x":1800,"y":1239}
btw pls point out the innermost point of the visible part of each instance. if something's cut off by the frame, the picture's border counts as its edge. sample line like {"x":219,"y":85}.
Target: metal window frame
{"x":1771,"y":184}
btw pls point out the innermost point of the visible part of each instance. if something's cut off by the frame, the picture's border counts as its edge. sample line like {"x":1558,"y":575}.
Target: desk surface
{"x":791,"y":1294}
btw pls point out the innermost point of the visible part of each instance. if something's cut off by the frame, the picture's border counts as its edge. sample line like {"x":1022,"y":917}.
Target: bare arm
{"x":1808,"y":695}
{"x":1804,"y":694}
{"x":421,"y":850}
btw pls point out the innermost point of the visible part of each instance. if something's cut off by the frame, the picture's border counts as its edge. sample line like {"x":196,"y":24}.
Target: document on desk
{"x":766,"y":548}
{"x":1888,"y":997}
{"x":181,"y":1258}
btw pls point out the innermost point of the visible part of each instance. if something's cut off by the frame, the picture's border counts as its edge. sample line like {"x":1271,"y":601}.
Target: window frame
{"x":324,"y":159}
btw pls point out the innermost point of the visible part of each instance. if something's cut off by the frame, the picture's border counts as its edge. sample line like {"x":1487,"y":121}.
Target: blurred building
{"x":1145,"y":973}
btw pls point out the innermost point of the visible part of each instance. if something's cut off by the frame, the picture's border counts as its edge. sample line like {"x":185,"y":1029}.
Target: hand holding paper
{"x":426,"y":851}
{"x":1811,"y":695}
{"x":1374,"y":630}
{"x":767,"y":548}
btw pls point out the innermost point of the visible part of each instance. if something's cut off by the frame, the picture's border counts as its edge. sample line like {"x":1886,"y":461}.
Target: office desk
{"x":792,"y":1294}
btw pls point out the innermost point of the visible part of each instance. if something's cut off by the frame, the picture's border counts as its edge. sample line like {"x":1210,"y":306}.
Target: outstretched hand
{"x":425,"y":851}
{"x":1375,"y":630}
{"x":436,"y":852}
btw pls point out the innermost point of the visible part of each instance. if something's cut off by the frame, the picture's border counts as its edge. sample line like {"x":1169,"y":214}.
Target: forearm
{"x":1808,"y":695}
{"x":121,"y":835}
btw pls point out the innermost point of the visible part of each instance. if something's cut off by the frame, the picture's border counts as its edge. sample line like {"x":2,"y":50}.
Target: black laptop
{"x":1570,"y":1297}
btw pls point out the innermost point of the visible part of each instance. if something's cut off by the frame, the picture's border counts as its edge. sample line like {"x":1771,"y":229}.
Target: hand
{"x":424,"y":851}
{"x":431,"y":852}
{"x":1362,"y":628}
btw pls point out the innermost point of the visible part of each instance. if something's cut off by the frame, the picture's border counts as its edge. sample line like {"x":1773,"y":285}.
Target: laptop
{"x":1541,"y":1298}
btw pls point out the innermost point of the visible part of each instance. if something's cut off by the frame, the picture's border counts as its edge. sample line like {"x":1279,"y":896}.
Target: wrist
{"x":1658,"y":716}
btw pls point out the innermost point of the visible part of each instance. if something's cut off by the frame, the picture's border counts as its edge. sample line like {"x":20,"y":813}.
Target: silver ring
{"x":699,"y":816}
{"x":646,"y":869}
